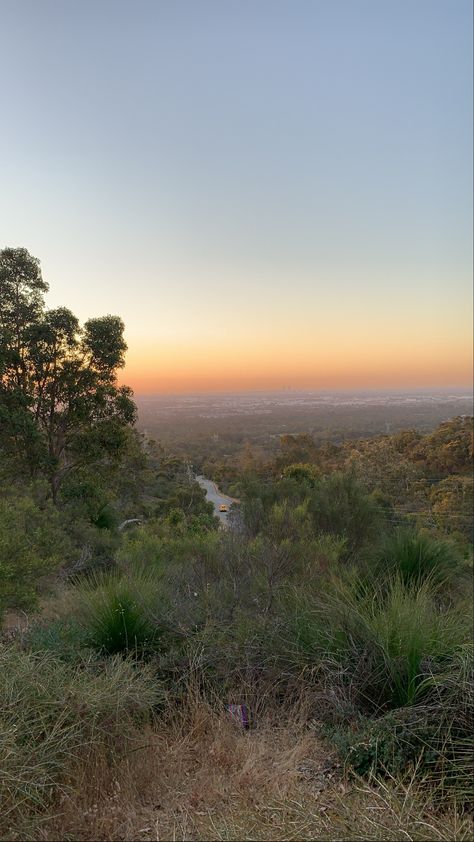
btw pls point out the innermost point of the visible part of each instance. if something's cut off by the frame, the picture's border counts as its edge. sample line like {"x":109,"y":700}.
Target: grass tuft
{"x":417,"y":556}
{"x":53,"y":714}
{"x":118,"y":611}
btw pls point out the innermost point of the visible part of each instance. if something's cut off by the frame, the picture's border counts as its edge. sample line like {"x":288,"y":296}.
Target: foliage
{"x":433,"y":737}
{"x":341,"y":506}
{"x":54,"y":714}
{"x":451,"y":706}
{"x":118,"y":611}
{"x":296,"y":449}
{"x":417,"y":556}
{"x":310,"y":505}
{"x":452,"y":506}
{"x":320,"y":598}
{"x":302,"y":472}
{"x":381,"y":467}
{"x":60,"y":406}
{"x":448,"y":449}
{"x":65,"y":638}
{"x":389,"y":745}
{"x":382,"y":641}
{"x":33,"y":544}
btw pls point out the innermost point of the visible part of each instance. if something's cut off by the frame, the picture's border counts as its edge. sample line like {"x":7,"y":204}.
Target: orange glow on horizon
{"x":181,"y":370}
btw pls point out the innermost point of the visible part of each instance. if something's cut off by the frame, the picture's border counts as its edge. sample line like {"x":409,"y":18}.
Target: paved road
{"x":216,"y":497}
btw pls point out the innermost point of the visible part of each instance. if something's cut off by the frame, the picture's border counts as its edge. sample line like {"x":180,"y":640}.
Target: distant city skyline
{"x":270,"y":194}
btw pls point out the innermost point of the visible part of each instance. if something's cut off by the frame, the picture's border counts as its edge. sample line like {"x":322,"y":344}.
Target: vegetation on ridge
{"x":337,"y":608}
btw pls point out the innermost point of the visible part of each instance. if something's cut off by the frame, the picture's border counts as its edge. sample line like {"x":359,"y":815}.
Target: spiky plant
{"x":118,"y":611}
{"x":416,"y":556}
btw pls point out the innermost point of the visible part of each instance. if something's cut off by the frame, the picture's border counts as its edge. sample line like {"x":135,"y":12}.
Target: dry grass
{"x":200,"y":777}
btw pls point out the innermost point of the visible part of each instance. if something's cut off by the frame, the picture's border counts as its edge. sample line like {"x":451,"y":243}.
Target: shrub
{"x":434,"y":737}
{"x":382,"y":641}
{"x":450,"y":705}
{"x":339,"y":505}
{"x":410,"y":633}
{"x":53,"y":714}
{"x":64,"y":638}
{"x":389,"y":745}
{"x":107,"y":518}
{"x":118,"y":611}
{"x":32,"y":545}
{"x":416,"y":556}
{"x":140,"y":548}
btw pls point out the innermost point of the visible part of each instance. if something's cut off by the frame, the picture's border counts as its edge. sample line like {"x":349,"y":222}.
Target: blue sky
{"x":220,"y":173}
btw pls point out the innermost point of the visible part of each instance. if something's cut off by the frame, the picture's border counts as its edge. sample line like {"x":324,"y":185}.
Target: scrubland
{"x":356,"y":670}
{"x":337,"y":607}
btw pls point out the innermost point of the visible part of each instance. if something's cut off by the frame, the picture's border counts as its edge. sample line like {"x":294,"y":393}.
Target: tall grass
{"x":411,"y":635}
{"x":383,"y":640}
{"x":198,"y":776}
{"x":53,"y":713}
{"x":119,"y":610}
{"x":396,"y":664}
{"x":416,"y":556}
{"x":451,"y":706}
{"x":432,"y":738}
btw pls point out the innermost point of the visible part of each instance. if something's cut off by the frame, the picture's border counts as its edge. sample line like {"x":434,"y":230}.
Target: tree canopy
{"x":60,"y":405}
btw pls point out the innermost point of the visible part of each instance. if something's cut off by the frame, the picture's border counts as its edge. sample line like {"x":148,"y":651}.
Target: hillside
{"x":302,"y":670}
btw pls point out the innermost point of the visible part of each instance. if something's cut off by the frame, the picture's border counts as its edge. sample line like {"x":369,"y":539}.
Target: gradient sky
{"x":269,"y":193}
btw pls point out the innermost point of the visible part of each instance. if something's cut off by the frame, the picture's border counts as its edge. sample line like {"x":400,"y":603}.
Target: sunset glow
{"x":296,"y":363}
{"x":269,"y":197}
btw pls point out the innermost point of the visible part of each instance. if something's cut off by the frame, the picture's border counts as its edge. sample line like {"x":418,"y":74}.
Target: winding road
{"x":216,"y":497}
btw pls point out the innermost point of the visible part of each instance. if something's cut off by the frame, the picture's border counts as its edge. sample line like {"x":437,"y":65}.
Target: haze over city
{"x":269,"y":194}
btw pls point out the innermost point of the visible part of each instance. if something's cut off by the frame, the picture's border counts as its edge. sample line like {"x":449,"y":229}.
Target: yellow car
{"x":223,"y":508}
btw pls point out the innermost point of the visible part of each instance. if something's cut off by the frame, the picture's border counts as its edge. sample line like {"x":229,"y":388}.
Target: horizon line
{"x":315,"y":390}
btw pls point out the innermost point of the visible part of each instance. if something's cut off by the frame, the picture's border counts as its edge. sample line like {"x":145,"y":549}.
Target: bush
{"x":32,"y":545}
{"x":450,"y":706}
{"x":416,"y":556}
{"x":66,"y":639}
{"x":118,"y":611}
{"x":340,"y":506}
{"x":382,"y":641}
{"x":54,"y":714}
{"x":434,"y":737}
{"x":390,"y":745}
{"x":411,"y":634}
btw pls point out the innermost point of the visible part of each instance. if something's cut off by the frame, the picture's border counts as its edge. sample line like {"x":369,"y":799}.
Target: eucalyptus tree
{"x":60,"y":405}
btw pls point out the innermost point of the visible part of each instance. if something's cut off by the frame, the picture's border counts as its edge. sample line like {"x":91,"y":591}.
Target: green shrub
{"x":33,"y":544}
{"x":64,"y":638}
{"x":381,"y":641}
{"x":118,"y":611}
{"x":339,"y":505}
{"x":410,"y":633}
{"x":450,"y":706}
{"x":434,"y":737}
{"x":107,"y":518}
{"x":416,"y":556}
{"x":95,"y":547}
{"x":140,"y":548}
{"x":390,"y":745}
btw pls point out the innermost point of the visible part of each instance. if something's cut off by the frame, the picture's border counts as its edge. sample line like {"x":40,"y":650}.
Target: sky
{"x":270,"y":193}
